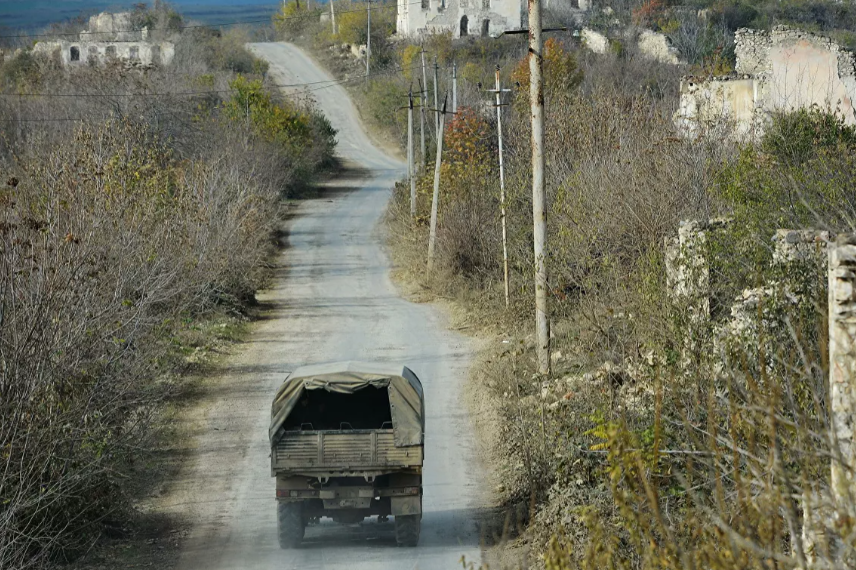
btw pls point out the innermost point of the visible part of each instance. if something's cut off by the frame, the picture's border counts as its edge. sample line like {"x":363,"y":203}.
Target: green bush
{"x":800,"y":135}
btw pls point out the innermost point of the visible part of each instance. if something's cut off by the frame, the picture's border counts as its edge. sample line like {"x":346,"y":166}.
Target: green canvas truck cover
{"x":405,"y":394}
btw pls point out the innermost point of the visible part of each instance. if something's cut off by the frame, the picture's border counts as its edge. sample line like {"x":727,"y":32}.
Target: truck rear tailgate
{"x":342,"y":450}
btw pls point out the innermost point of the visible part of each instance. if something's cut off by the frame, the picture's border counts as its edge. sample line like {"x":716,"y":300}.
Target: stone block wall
{"x":72,"y":54}
{"x":717,"y":104}
{"x":781,"y":70}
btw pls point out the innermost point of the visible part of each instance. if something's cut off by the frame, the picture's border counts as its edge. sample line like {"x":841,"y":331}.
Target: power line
{"x":329,"y":83}
{"x":157,"y":94}
{"x":194,"y":26}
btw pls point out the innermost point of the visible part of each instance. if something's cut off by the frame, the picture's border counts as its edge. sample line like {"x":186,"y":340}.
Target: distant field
{"x":32,"y":15}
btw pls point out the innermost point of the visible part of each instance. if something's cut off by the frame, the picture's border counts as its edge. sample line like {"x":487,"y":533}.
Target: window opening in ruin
{"x":485,"y":27}
{"x":485,"y":4}
{"x":464,"y":23}
{"x":156,"y":55}
{"x":426,"y":4}
{"x":110,"y":52}
{"x":322,"y":410}
{"x":75,"y":53}
{"x":135,"y":52}
{"x":442,"y":5}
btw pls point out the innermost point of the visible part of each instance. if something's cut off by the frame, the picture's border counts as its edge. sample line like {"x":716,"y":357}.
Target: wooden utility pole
{"x":368,"y":37}
{"x":424,"y":83}
{"x":539,"y":189}
{"x":435,"y":199}
{"x":422,"y":151}
{"x":499,"y":91}
{"x":333,"y":17}
{"x":410,"y":173}
{"x":454,"y":87}
{"x":436,"y":102}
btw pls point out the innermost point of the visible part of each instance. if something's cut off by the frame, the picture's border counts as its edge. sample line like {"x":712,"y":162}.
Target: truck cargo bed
{"x":351,"y":450}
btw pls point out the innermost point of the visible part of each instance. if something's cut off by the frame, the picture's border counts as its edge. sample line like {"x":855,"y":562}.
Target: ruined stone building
{"x":461,"y":17}
{"x":109,"y":37}
{"x":782,"y":70}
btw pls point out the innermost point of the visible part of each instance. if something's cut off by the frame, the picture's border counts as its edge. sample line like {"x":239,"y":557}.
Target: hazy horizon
{"x":32,"y":15}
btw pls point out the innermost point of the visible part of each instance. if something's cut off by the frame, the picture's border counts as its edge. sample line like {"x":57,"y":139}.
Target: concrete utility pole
{"x":454,"y":87}
{"x":499,"y":91}
{"x":333,"y":17}
{"x":410,"y":173}
{"x":368,"y":37}
{"x":539,"y":189}
{"x":436,"y":102}
{"x":435,"y":199}
{"x":422,"y":157}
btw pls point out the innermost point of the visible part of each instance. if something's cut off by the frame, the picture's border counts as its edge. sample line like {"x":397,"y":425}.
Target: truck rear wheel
{"x":407,"y":529}
{"x":290,"y":525}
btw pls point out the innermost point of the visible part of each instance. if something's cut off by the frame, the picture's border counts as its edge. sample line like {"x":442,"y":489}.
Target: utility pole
{"x":333,"y":17}
{"x":539,"y":189}
{"x":410,"y":173}
{"x":499,"y":91}
{"x":368,"y":37}
{"x":454,"y":86}
{"x":436,"y":103}
{"x":422,"y":157}
{"x":432,"y":236}
{"x":424,"y":92}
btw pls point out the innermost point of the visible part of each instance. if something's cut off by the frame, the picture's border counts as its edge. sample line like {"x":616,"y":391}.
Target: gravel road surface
{"x":332,"y":300}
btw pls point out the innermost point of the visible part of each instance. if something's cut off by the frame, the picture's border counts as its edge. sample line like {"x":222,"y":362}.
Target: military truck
{"x":347,"y":443}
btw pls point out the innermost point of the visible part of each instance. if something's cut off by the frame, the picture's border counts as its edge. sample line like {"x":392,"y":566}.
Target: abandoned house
{"x":110,"y":37}
{"x":460,"y":17}
{"x":782,"y":70}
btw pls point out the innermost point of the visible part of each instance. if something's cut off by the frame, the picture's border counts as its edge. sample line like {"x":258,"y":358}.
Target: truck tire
{"x":407,"y":529}
{"x":290,"y":525}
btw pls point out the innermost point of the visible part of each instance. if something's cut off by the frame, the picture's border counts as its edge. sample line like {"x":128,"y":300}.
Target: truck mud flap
{"x":406,"y":505}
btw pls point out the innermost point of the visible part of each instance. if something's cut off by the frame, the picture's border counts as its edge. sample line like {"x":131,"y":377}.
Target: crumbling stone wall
{"x":595,"y":41}
{"x":658,"y":47}
{"x":724,"y":103}
{"x":72,"y":54}
{"x":107,"y":26}
{"x":801,"y":246}
{"x":782,"y":70}
{"x":842,"y":364}
{"x":110,"y":37}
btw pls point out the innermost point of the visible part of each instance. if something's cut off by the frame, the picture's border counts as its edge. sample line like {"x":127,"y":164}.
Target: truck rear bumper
{"x":385,"y":501}
{"x":348,"y":493}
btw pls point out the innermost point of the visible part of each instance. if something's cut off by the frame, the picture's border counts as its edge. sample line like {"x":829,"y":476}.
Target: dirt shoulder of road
{"x":146,"y":536}
{"x":500,"y":523}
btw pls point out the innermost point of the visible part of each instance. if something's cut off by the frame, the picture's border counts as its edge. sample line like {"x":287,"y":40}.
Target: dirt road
{"x":332,"y":300}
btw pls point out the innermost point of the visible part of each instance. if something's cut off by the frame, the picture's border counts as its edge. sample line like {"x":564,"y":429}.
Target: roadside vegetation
{"x":138,"y":207}
{"x":678,"y":430}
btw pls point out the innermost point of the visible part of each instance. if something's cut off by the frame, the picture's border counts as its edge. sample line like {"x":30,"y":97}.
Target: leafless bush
{"x":131,"y":203}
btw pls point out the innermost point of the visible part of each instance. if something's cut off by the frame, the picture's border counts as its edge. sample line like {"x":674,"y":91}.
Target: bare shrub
{"x":129,"y":210}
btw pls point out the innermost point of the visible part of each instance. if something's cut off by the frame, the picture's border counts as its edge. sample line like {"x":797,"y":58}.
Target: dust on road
{"x":332,"y":299}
